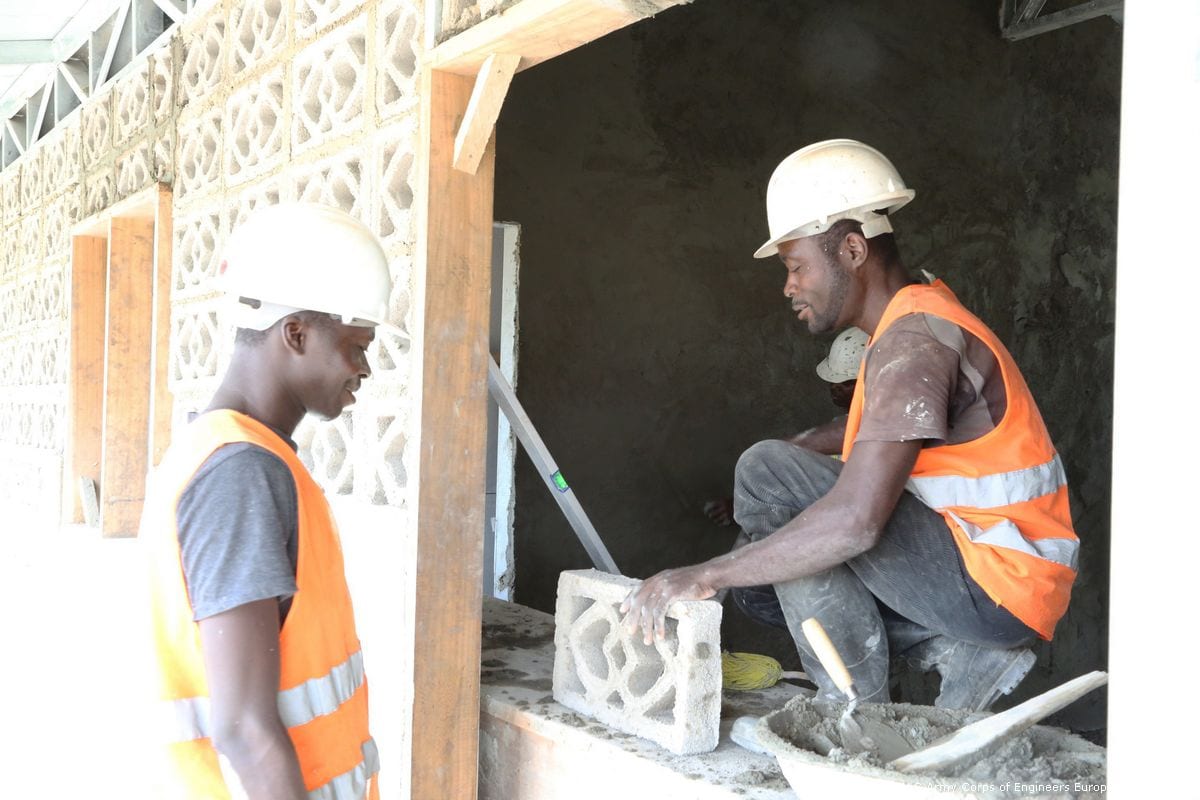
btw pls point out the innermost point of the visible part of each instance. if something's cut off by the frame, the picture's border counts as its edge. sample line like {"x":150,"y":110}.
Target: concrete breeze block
{"x":668,"y":692}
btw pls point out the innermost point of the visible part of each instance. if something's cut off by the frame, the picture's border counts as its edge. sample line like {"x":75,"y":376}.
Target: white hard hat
{"x":305,"y":257}
{"x":829,"y":181}
{"x":845,"y":356}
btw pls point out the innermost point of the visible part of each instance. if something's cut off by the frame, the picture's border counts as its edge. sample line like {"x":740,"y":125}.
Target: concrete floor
{"x":73,"y":674}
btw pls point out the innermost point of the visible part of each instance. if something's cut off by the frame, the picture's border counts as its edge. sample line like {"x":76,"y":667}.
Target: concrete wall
{"x":654,"y":349}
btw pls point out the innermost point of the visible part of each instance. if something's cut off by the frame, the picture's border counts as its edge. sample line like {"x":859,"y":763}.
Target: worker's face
{"x":335,"y":366}
{"x":842,"y":393}
{"x":816,"y":284}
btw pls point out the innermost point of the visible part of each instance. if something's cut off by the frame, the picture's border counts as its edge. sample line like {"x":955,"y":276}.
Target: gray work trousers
{"x":911,"y":586}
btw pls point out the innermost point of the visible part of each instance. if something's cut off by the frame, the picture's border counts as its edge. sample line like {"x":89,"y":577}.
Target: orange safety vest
{"x":1003,"y":495}
{"x":322,"y":686}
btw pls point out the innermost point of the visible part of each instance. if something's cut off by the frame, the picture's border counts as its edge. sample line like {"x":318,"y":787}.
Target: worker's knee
{"x":762,"y":458}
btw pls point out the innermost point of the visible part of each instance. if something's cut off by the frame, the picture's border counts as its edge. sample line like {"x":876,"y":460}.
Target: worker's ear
{"x":293,"y":333}
{"x":854,"y":250}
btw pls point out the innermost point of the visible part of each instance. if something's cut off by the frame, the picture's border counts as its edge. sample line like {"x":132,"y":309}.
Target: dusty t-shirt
{"x":927,"y":378}
{"x":238,"y":530}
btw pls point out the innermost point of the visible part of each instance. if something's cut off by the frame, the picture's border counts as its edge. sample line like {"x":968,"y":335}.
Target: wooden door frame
{"x":463,"y":84}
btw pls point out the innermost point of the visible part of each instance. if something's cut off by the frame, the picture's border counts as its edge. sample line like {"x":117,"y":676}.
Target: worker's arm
{"x":844,"y":523}
{"x":241,"y":657}
{"x":826,"y":439}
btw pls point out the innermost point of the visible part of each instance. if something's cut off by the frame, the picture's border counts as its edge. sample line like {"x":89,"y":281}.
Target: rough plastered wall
{"x":244,"y":103}
{"x":654,"y":348}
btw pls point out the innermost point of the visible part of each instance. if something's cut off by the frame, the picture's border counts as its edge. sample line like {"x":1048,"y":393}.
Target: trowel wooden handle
{"x":828,"y":655}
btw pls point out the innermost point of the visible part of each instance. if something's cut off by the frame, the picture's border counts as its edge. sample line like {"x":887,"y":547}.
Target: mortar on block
{"x":1042,"y":762}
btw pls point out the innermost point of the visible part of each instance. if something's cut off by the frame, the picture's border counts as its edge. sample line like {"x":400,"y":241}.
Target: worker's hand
{"x":646,"y":606}
{"x":720,"y":511}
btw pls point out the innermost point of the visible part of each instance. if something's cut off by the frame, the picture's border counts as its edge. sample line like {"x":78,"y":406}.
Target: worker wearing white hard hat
{"x":944,"y":534}
{"x":252,"y":616}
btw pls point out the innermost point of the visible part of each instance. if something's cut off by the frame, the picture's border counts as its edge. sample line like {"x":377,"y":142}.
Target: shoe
{"x":973,"y":677}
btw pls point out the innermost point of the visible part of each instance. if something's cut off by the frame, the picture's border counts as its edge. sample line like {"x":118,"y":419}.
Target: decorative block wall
{"x":309,"y":100}
{"x":668,"y":692}
{"x":247,"y":102}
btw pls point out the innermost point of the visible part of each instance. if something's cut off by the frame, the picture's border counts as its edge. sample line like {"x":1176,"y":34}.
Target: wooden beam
{"x":128,"y":313}
{"x":1028,"y":9}
{"x":1061,"y":19}
{"x":454,"y":280}
{"x":160,"y":343}
{"x":539,"y":30}
{"x":491,"y":87}
{"x":85,"y":383}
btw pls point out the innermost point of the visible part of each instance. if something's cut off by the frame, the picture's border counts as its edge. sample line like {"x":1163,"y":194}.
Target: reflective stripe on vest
{"x":945,"y":492}
{"x":990,"y":491}
{"x":190,"y":717}
{"x":1006,"y":534}
{"x":351,"y":785}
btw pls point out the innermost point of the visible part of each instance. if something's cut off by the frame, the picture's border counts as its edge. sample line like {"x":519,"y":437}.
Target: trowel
{"x":858,"y":736}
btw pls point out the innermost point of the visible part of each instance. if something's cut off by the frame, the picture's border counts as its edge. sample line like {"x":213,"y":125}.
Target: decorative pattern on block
{"x":386,"y":454}
{"x":99,"y":191}
{"x":194,"y":337}
{"x":196,"y":252}
{"x":259,"y":32}
{"x":203,"y":60}
{"x":31,"y":181}
{"x":330,"y":81}
{"x":338,"y":181}
{"x":10,"y":192}
{"x":395,"y":87}
{"x":199,"y":167}
{"x":96,"y":122}
{"x":29,"y":242}
{"x":61,"y":214}
{"x":164,"y":156}
{"x":60,"y":161}
{"x":314,"y":15}
{"x":255,"y":132}
{"x":131,"y":97}
{"x":162,"y":84}
{"x":668,"y":692}
{"x":324,"y":449}
{"x":269,"y":192}
{"x":395,"y":147}
{"x":135,"y":169}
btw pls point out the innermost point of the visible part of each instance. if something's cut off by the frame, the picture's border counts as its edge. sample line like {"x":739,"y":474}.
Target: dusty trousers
{"x":908,"y":596}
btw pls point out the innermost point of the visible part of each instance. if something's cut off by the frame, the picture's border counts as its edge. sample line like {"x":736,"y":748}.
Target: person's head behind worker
{"x":827,"y":211}
{"x":840,"y":368}
{"x":308,"y":286}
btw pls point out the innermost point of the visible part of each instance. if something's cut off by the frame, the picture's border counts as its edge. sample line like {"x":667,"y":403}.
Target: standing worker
{"x":945,"y":537}
{"x":260,"y":672}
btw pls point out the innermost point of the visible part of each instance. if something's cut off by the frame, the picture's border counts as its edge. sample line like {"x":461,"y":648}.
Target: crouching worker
{"x":943,"y":538}
{"x":260,"y":681}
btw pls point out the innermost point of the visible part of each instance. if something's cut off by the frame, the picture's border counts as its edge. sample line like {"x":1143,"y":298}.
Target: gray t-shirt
{"x":927,"y":378}
{"x":238,"y":530}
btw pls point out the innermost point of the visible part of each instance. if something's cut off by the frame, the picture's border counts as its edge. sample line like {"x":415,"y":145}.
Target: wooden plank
{"x":454,"y":279}
{"x":85,"y":384}
{"x":161,"y":400}
{"x":491,"y":87}
{"x":127,"y":374}
{"x":1061,"y":19}
{"x":1028,"y":9}
{"x":539,"y":30}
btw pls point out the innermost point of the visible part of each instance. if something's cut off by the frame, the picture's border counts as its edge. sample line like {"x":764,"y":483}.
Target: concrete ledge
{"x":530,"y":746}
